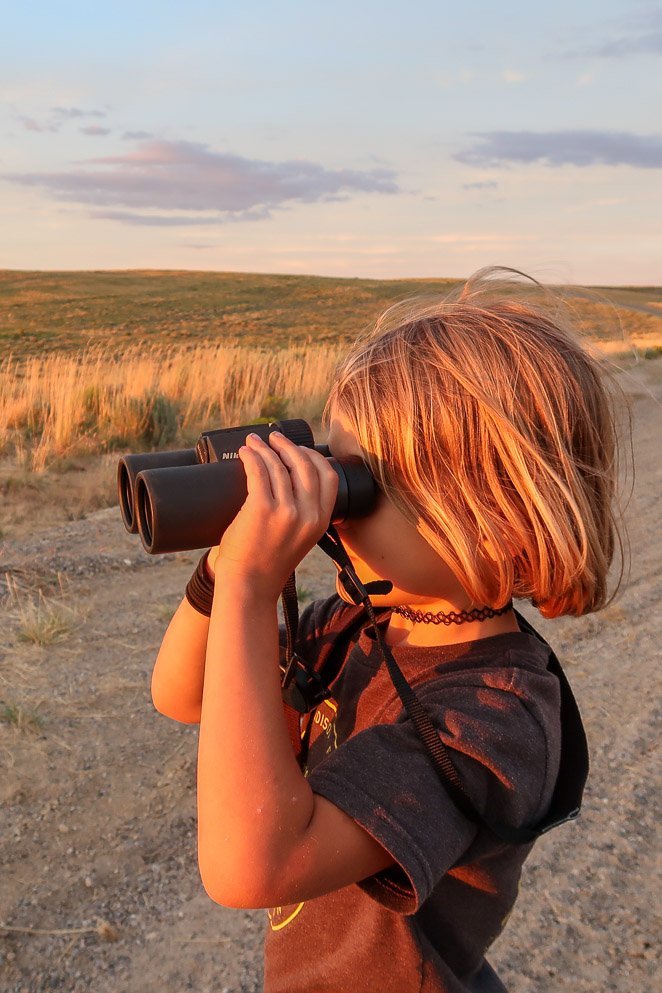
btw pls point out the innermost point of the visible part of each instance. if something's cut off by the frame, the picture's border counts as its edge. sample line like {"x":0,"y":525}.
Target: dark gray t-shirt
{"x":423,"y":925}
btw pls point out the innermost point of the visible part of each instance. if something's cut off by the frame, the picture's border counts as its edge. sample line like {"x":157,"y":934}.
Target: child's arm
{"x":180,"y":665}
{"x":264,"y":837}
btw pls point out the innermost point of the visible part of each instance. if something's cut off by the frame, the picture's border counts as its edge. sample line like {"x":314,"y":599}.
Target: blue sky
{"x":396,"y":139}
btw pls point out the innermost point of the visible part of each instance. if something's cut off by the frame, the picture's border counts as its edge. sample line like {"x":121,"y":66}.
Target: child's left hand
{"x":291,"y":495}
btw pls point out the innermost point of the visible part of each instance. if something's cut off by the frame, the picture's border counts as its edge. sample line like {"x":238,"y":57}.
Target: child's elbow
{"x":227,"y":891}
{"x":176,"y":709}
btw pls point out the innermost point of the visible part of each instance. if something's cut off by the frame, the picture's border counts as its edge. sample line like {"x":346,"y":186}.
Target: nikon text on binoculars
{"x":182,"y":500}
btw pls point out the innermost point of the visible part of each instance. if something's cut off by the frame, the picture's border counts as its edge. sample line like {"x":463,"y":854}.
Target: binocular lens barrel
{"x":191,"y":506}
{"x":188,"y":506}
{"x":127,"y":470}
{"x":183,"y":500}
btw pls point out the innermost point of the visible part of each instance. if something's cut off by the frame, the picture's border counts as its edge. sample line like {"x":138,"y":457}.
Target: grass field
{"x":43,"y":312}
{"x":97,"y":362}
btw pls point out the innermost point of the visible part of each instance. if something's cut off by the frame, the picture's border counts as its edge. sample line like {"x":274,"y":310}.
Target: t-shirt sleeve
{"x":384,"y":778}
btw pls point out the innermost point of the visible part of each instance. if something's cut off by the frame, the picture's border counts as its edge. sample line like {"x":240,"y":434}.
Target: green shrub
{"x":159,"y":419}
{"x":274,"y":408}
{"x":90,"y":407}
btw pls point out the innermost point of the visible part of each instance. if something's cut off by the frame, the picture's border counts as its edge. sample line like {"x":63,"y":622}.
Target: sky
{"x":364,"y":139}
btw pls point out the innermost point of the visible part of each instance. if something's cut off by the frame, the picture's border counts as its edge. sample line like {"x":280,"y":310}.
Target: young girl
{"x":492,"y":440}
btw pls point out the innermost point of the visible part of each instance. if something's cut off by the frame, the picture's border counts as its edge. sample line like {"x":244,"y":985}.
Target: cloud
{"x":647,"y":38}
{"x":94,"y":129}
{"x":69,"y":112}
{"x":558,"y":148}
{"x":30,"y":124}
{"x":641,"y":35}
{"x":485,"y":185}
{"x":477,"y":239}
{"x":60,"y":116}
{"x":179,"y":220}
{"x":136,"y":135}
{"x":188,"y":176}
{"x":513,"y":76}
{"x":599,"y":202}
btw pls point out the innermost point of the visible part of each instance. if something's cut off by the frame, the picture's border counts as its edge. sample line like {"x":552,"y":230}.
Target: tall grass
{"x":59,"y":405}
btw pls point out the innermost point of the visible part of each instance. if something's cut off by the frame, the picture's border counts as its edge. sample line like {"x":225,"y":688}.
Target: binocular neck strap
{"x":360,"y":593}
{"x":331,"y":544}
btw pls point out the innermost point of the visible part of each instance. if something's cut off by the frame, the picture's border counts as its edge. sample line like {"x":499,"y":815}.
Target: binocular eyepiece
{"x":183,"y":500}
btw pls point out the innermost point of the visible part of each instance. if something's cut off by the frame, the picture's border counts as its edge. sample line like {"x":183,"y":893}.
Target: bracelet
{"x":200,"y":587}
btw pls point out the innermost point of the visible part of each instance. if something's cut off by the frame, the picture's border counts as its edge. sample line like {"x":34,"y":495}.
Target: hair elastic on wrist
{"x":200,"y":587}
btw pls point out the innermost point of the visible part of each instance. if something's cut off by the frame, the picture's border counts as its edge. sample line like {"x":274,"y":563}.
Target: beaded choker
{"x":453,"y":617}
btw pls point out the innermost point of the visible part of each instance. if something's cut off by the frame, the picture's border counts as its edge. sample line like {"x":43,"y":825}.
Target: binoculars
{"x":184,"y":500}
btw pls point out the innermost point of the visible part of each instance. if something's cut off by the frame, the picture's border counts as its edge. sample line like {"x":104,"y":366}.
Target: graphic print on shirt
{"x":322,"y":735}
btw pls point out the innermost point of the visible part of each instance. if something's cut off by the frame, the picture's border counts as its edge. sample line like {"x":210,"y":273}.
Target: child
{"x":491,"y":438}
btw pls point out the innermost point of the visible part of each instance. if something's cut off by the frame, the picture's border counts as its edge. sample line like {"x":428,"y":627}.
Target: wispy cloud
{"x":174,"y":219}
{"x":59,"y":117}
{"x":478,"y":238}
{"x":513,"y":76}
{"x":599,"y":202}
{"x":136,"y":135}
{"x":638,"y":35}
{"x":94,"y":129}
{"x":484,"y":185}
{"x":158,"y":180}
{"x":31,"y":124}
{"x":558,"y":148}
{"x":69,"y":112}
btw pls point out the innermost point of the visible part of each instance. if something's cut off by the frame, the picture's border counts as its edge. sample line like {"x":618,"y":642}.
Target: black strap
{"x":439,"y":753}
{"x":291,"y":618}
{"x":574,"y":762}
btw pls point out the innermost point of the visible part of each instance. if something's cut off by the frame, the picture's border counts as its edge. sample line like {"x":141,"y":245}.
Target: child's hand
{"x":291,"y":495}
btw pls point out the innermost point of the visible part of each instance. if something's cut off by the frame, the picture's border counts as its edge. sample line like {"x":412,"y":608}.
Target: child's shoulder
{"x":510,"y":670}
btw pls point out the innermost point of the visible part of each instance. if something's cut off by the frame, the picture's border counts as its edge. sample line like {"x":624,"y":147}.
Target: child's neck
{"x":402,"y":632}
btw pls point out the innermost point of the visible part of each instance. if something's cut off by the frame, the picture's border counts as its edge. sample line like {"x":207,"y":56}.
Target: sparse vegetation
{"x":19,"y":717}
{"x":43,"y":312}
{"x":45,"y":620}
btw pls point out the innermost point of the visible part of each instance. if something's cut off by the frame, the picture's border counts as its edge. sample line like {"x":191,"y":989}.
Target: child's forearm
{"x":179,"y":670}
{"x":253,"y":800}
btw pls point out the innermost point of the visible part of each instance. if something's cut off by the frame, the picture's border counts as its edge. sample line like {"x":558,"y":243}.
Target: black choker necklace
{"x":478,"y":614}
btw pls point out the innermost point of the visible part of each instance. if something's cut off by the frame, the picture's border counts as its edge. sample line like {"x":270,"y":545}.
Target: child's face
{"x":384,"y":545}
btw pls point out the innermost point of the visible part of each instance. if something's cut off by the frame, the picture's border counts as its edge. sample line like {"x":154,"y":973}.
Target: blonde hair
{"x":487,"y":423}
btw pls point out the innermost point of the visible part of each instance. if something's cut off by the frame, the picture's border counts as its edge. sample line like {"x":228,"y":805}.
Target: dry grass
{"x":41,"y":619}
{"x":62,"y":400}
{"x":45,"y":621}
{"x":20,"y":717}
{"x":58,"y":406}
